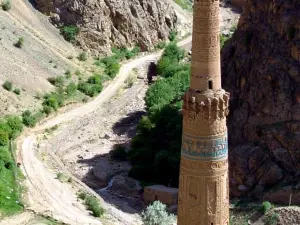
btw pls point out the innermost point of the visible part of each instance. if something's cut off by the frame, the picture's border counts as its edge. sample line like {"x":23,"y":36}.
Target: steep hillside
{"x":109,"y":23}
{"x":260,"y":68}
{"x":43,"y":54}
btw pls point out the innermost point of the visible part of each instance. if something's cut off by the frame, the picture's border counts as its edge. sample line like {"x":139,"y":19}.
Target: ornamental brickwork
{"x":203,"y":197}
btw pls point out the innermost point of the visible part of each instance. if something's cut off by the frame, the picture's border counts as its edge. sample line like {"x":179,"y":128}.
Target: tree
{"x":156,"y":214}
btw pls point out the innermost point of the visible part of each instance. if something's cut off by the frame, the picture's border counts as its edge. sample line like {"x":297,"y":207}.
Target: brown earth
{"x":260,"y":66}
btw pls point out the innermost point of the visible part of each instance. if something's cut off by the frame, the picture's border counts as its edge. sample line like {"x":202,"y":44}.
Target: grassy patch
{"x":10,"y":177}
{"x":185,"y":4}
{"x":92,"y":204}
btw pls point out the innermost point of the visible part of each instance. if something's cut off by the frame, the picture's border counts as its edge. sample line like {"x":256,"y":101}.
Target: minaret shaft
{"x":203,"y":183}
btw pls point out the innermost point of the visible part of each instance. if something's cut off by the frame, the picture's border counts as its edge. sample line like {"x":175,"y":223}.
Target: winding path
{"x":48,"y":195}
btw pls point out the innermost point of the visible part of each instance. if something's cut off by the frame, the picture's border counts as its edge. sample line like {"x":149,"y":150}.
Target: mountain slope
{"x":111,"y":23}
{"x":260,"y":68}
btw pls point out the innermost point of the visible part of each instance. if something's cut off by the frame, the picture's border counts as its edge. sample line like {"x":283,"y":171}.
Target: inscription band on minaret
{"x":203,"y":183}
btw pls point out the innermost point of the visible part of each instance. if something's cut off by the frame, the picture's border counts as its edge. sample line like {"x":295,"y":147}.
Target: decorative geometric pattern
{"x":205,"y":148}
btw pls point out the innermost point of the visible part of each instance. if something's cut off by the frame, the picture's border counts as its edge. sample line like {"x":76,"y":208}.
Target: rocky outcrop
{"x":261,"y":70}
{"x":119,"y":23}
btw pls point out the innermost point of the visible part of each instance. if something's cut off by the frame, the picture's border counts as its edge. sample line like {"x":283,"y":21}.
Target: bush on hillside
{"x":69,"y":32}
{"x":83,"y":56}
{"x":19,"y":43}
{"x":17,"y":91}
{"x":58,"y":81}
{"x":29,"y":120}
{"x":172,"y":35}
{"x":90,"y":89}
{"x":112,"y":66}
{"x":71,"y":89}
{"x":156,"y":213}
{"x":6,"y":5}
{"x":8,"y":85}
{"x":53,"y":100}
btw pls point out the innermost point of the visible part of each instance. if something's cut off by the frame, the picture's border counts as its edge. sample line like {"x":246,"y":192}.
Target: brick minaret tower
{"x":203,"y":184}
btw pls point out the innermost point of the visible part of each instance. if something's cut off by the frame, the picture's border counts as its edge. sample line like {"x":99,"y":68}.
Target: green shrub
{"x":6,"y":5}
{"x":119,"y":152}
{"x":19,"y":43}
{"x":82,"y":56}
{"x":69,"y":32}
{"x":161,"y":45}
{"x":29,"y":120}
{"x":68,"y":74}
{"x":112,"y":66}
{"x":71,"y":89}
{"x":7,"y":86}
{"x":93,"y":205}
{"x":265,"y":207}
{"x":47,"y":109}
{"x":172,"y":35}
{"x":53,"y":100}
{"x":90,"y":89}
{"x":57,"y":81}
{"x":17,"y":91}
{"x":156,"y":213}
{"x":82,"y":195}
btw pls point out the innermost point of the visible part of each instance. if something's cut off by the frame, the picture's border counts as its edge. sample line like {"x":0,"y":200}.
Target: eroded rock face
{"x":120,"y":23}
{"x":260,"y":67}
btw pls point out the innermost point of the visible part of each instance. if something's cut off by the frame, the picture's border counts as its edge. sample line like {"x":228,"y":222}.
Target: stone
{"x":111,"y":23}
{"x":165,"y":195}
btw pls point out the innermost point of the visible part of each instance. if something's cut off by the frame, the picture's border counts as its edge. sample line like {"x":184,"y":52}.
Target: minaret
{"x":203,"y":183}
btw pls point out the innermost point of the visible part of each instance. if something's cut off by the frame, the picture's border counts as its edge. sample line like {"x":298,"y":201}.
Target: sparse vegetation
{"x":156,"y":213}
{"x":58,"y":81}
{"x":130,"y":80}
{"x":8,"y":85}
{"x":185,"y":4}
{"x":271,"y":219}
{"x":161,"y":45}
{"x":69,"y":32}
{"x":83,"y":56}
{"x":92,"y":204}
{"x":19,"y":43}
{"x":68,"y":74}
{"x":6,"y":5}
{"x":63,"y":178}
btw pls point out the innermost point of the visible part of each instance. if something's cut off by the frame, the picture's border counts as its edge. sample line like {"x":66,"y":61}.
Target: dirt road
{"x":48,"y":195}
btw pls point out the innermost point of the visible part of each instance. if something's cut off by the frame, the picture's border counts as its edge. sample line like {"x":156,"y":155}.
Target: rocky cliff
{"x":107,"y":23}
{"x":261,"y":70}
